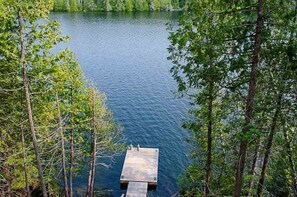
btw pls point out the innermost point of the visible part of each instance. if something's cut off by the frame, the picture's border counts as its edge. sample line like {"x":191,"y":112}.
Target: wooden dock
{"x":137,"y":189}
{"x":140,"y":170}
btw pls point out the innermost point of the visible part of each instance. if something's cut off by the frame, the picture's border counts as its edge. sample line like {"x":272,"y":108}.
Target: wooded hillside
{"x":237,"y":62}
{"x":52,"y":122}
{"x":117,"y":5}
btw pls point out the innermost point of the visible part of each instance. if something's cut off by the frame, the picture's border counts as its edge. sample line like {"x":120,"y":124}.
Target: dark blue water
{"x":124,"y":54}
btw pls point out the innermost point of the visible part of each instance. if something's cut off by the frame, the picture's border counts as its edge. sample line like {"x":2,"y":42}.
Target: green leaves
{"x":117,"y":5}
{"x":211,"y":51}
{"x":50,"y":75}
{"x":252,"y":133}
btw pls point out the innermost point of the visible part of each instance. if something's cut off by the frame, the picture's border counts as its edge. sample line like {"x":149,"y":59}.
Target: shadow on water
{"x":123,"y":15}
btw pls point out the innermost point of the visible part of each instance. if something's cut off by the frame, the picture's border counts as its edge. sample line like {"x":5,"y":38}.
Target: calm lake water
{"x":124,"y":54}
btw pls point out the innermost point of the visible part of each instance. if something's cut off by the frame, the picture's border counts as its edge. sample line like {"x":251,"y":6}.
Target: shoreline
{"x":104,"y":11}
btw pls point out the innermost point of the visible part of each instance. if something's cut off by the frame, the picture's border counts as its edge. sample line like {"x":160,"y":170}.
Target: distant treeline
{"x":117,"y":5}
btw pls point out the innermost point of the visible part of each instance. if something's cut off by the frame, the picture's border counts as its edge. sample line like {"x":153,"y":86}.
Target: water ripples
{"x":124,"y":54}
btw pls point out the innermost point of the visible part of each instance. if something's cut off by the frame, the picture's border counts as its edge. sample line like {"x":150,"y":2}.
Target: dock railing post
{"x":131,"y":147}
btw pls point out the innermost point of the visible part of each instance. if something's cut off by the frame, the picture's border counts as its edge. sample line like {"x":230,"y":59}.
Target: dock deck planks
{"x":141,"y":165}
{"x":137,"y":189}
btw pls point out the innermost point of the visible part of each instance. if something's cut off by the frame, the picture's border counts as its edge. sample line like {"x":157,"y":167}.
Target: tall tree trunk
{"x":71,"y":162}
{"x":287,"y":142}
{"x":90,"y":187}
{"x":25,"y":164}
{"x":253,"y":168}
{"x":223,"y":168}
{"x":29,"y":109}
{"x":269,"y":144}
{"x":89,"y":194}
{"x":9,"y":193}
{"x":209,"y":142}
{"x":291,"y":162}
{"x":71,"y":156}
{"x":66,"y":190}
{"x":250,"y":99}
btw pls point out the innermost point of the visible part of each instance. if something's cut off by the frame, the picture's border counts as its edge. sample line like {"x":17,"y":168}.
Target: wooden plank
{"x":137,"y":189}
{"x":141,"y":165}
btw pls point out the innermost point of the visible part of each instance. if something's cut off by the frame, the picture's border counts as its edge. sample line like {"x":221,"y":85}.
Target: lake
{"x":124,"y":55}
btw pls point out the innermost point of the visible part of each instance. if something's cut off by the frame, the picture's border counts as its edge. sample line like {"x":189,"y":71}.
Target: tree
{"x":165,"y":5}
{"x":68,"y":82}
{"x":128,"y":5}
{"x":66,"y":5}
{"x":43,"y":101}
{"x":106,"y":5}
{"x":154,"y":5}
{"x":62,"y":78}
{"x":28,"y":104}
{"x":140,"y":5}
{"x":58,"y":5}
{"x":291,"y":162}
{"x":24,"y":33}
{"x":199,"y":73}
{"x":119,"y":5}
{"x":104,"y":133}
{"x":250,"y":97}
{"x":66,"y":189}
{"x":73,"y":5}
{"x":240,"y":39}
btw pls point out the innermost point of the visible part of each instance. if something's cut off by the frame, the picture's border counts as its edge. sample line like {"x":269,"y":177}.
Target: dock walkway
{"x":140,"y":170}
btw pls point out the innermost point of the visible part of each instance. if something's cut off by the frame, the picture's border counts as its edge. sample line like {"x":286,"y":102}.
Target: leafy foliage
{"x":117,"y":5}
{"x":54,"y":79}
{"x":212,"y":51}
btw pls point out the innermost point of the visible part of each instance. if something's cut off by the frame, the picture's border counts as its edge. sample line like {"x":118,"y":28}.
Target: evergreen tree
{"x":165,"y":5}
{"x":58,"y":5}
{"x":119,"y":5}
{"x":107,"y":6}
{"x":128,"y":5}
{"x":102,"y":129}
{"x":73,"y":5}
{"x":89,"y":5}
{"x":141,"y":5}
{"x":66,"y":5}
{"x":253,"y":67}
{"x":154,"y":5}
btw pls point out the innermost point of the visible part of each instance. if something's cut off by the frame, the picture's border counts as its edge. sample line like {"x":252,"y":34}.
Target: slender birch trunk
{"x":71,"y":156}
{"x":25,"y":164}
{"x":29,"y":109}
{"x":66,"y":190}
{"x":90,"y":188}
{"x":71,"y":162}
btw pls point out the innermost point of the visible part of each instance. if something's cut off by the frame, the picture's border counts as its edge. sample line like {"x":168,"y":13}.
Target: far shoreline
{"x":113,"y":11}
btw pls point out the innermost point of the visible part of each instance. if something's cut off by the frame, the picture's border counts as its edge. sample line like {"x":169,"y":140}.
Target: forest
{"x":117,"y":5}
{"x":235,"y":62}
{"x":52,"y":118}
